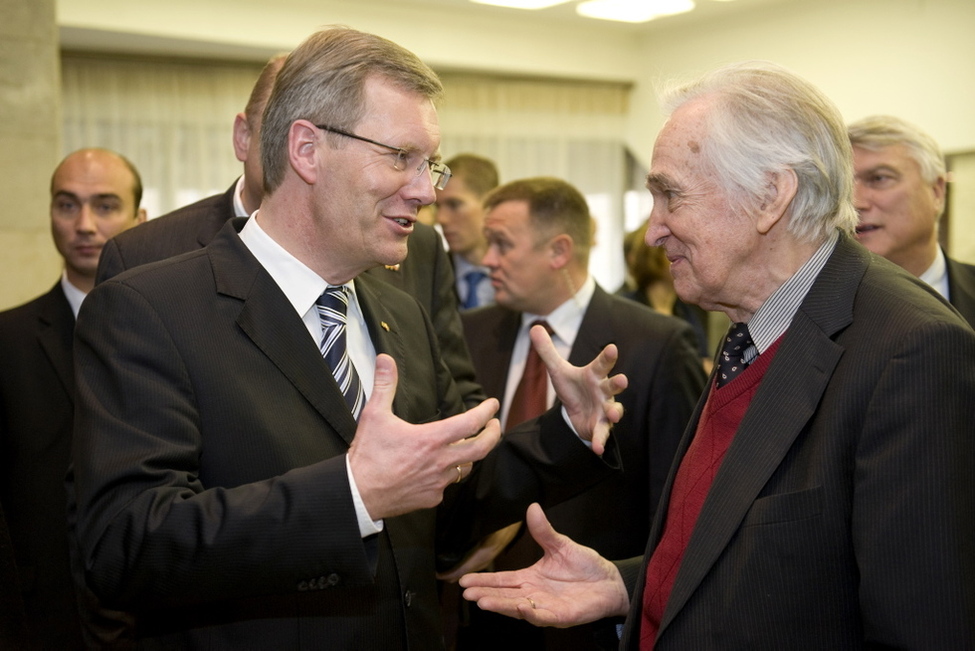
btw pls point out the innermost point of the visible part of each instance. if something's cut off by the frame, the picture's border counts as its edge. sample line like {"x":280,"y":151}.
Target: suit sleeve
{"x":110,"y":262}
{"x":913,"y":511}
{"x":150,"y":532}
{"x":450,"y":330}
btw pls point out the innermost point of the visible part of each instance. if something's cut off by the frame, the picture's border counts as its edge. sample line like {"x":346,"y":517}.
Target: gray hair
{"x":879,"y":131}
{"x":323,"y":81}
{"x":765,"y":119}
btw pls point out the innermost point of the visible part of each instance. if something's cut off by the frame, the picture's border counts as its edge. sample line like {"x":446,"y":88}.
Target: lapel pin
{"x":392,"y":267}
{"x":384,"y":326}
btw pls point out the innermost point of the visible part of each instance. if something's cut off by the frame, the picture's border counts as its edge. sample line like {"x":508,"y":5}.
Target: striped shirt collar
{"x":776,"y":313}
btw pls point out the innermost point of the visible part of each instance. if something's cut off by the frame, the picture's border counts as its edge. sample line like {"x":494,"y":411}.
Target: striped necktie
{"x":332,"y":308}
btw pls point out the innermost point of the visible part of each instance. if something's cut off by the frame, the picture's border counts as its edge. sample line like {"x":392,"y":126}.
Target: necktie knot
{"x":731,"y":361}
{"x":531,"y":395}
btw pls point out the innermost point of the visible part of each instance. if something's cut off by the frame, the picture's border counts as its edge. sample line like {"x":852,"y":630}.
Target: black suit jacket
{"x":210,"y":463}
{"x":36,"y":408}
{"x":843,"y":515}
{"x":961,"y":288}
{"x":658,"y":356}
{"x":426,"y":273}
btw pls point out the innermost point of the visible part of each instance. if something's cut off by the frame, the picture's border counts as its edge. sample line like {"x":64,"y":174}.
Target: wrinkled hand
{"x":400,"y":467}
{"x":569,"y":586}
{"x":586,"y":392}
{"x":484,"y":554}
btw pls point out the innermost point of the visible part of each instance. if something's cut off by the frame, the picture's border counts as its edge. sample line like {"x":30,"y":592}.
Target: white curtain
{"x":173,"y":119}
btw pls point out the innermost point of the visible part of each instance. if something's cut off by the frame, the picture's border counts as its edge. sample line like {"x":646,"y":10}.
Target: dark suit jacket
{"x":426,"y":273}
{"x":210,"y":463}
{"x":658,"y":356}
{"x":842,"y":515}
{"x":961,"y":288}
{"x":36,"y":408}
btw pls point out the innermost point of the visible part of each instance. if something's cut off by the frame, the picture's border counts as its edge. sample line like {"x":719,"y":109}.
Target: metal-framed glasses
{"x":405,"y":159}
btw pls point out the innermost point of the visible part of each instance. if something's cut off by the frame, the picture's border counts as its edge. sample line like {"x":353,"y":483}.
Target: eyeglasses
{"x":405,"y":159}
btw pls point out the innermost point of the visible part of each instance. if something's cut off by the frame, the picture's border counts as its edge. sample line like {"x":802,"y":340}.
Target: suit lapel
{"x":217,"y":218}
{"x":270,"y":321}
{"x":784,"y":403}
{"x":595,"y":331}
{"x":961,"y":288}
{"x":55,"y":329}
{"x":386,"y":334}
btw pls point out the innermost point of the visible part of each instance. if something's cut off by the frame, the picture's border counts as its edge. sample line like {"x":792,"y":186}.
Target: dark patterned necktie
{"x":731,"y":361}
{"x":333,"y":306}
{"x":531,"y":396}
{"x":473,"y":279}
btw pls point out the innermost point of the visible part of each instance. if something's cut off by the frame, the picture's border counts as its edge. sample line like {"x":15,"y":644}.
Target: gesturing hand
{"x":400,"y":467}
{"x":586,"y":392}
{"x":570,"y":585}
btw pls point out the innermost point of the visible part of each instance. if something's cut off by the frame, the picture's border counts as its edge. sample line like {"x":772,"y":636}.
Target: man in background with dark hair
{"x":461,"y":218}
{"x":95,"y":194}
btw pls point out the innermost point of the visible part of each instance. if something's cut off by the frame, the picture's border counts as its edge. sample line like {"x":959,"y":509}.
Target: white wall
{"x":912,"y":58}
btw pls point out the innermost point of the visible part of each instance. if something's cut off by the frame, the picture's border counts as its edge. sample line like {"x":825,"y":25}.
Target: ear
{"x":939,"y":188}
{"x":140,"y":216}
{"x":560,"y":248}
{"x":303,"y":151}
{"x":780,"y":191}
{"x":242,"y":137}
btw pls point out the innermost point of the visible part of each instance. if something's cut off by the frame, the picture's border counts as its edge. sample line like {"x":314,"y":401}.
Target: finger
{"x":473,"y":448}
{"x":490,"y":580}
{"x":542,"y":342}
{"x":383,"y":385}
{"x":605,"y":360}
{"x":466,"y":425}
{"x":540,"y":528}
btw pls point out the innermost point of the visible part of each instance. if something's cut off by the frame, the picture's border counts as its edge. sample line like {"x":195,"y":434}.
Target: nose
{"x":84,"y":223}
{"x":490,"y":259}
{"x":657,"y":229}
{"x":860,"y":197}
{"x":420,"y":189}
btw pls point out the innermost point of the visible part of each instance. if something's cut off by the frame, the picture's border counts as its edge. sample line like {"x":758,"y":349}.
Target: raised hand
{"x":586,"y":392}
{"x":569,"y":586}
{"x":400,"y":467}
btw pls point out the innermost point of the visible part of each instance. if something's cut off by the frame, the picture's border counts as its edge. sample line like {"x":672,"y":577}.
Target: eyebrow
{"x":659,"y":182}
{"x":72,"y":195}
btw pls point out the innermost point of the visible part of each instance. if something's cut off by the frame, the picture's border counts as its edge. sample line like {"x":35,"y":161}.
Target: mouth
{"x":866,"y":228}
{"x":403,"y":222}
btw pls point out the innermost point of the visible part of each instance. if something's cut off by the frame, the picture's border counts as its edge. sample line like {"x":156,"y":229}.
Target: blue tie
{"x":473,"y":279}
{"x":732,"y":360}
{"x":332,"y":308}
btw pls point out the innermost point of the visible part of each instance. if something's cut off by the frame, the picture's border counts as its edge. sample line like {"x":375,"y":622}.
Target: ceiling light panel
{"x":522,"y":4}
{"x":633,"y":11}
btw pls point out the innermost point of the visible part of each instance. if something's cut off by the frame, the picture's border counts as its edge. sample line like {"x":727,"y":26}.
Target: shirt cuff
{"x":568,"y":421}
{"x":367,"y":526}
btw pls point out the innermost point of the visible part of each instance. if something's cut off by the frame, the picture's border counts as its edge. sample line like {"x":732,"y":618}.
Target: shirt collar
{"x":937,"y":274}
{"x":239,"y":210}
{"x":74,"y":295}
{"x":300,"y":284}
{"x":776,"y":313}
{"x":566,"y":318}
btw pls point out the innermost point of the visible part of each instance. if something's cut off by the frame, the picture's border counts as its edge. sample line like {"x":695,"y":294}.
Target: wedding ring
{"x":460,"y":475}
{"x":531,"y":601}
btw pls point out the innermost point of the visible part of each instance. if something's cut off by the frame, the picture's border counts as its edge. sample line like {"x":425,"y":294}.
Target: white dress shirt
{"x":302,"y":287}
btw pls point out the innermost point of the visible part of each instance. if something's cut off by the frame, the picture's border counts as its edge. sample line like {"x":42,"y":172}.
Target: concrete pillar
{"x":30,"y":133}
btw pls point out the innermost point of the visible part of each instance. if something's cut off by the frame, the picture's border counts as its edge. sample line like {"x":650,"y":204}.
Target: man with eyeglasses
{"x":426,"y":272}
{"x":263,"y":430}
